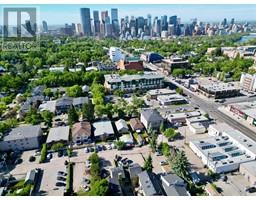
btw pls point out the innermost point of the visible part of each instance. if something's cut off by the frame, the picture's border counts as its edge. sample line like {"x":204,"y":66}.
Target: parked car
{"x":163,"y":162}
{"x":61,"y":178}
{"x":87,"y":164}
{"x":250,"y":189}
{"x":61,"y":173}
{"x":60,"y":153}
{"x":86,"y":181}
{"x":49,"y":156}
{"x":32,"y":158}
{"x":86,"y":188}
{"x":59,"y":184}
{"x":86,"y":150}
{"x":195,"y":177}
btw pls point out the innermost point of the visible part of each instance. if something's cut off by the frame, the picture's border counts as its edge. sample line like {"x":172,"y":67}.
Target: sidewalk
{"x":238,"y":119}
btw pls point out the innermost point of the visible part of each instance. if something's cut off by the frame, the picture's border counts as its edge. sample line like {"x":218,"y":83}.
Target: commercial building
{"x":130,"y":63}
{"x":115,"y":54}
{"x":153,"y":94}
{"x":226,"y":151}
{"x":180,"y":117}
{"x":249,"y":171}
{"x":248,"y":82}
{"x":172,"y":99}
{"x":22,"y":138}
{"x":151,"y":57}
{"x":86,"y":21}
{"x":217,"y":89}
{"x":244,"y":110}
{"x":133,"y":82}
{"x":175,"y":62}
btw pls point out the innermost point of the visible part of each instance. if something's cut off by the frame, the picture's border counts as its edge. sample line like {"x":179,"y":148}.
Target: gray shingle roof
{"x":58,"y":134}
{"x":151,"y":115}
{"x":103,"y":127}
{"x":23,"y":132}
{"x":80,"y":100}
{"x":173,"y":185}
{"x":147,"y":184}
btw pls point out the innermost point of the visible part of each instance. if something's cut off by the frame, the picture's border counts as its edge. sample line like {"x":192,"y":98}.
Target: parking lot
{"x":234,"y":186}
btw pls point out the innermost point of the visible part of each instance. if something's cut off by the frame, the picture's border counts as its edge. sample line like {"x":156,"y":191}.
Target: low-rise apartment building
{"x":133,"y":82}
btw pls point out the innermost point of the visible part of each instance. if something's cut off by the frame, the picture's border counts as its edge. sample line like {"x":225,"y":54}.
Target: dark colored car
{"x":251,"y":189}
{"x":60,"y":153}
{"x":32,"y":158}
{"x":60,"y":178}
{"x":60,"y":184}
{"x":61,"y":173}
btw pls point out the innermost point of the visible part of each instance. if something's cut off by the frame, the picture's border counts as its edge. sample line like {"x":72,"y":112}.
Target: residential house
{"x":127,"y":139}
{"x":148,"y":184}
{"x":22,"y":138}
{"x":151,"y":118}
{"x":79,"y":102}
{"x":103,"y":130}
{"x":116,"y":174}
{"x":134,"y":169}
{"x":173,"y":185}
{"x":58,"y":134}
{"x":81,"y":132}
{"x":136,"y":125}
{"x":63,"y":104}
{"x":121,"y":126}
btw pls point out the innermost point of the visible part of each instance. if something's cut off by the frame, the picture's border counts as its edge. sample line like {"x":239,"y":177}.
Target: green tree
{"x":179,"y":90}
{"x":74,"y":91}
{"x":88,"y":111}
{"x":48,"y":92}
{"x":99,"y":188}
{"x":120,"y":145}
{"x":43,"y":153}
{"x":153,"y":141}
{"x":148,"y":164}
{"x":47,"y":117}
{"x":170,"y":133}
{"x":72,"y":116}
{"x":180,"y":165}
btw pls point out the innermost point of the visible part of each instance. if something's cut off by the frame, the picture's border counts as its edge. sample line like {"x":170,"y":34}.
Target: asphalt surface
{"x":212,"y":109}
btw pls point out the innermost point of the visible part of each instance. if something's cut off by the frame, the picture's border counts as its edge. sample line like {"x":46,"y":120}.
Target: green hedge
{"x":69,"y":181}
{"x":43,"y":153}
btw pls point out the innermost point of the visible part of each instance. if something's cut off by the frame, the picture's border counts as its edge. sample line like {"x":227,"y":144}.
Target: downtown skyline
{"x":57,"y":14}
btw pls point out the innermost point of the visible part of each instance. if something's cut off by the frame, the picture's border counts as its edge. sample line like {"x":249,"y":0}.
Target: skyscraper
{"x":96,"y":22}
{"x":114,"y":18}
{"x":45,"y":27}
{"x":86,"y":21}
{"x":114,"y":14}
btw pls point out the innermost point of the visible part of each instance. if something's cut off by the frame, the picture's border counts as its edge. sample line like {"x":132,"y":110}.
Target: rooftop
{"x":57,"y":134}
{"x":113,"y":78}
{"x":23,"y":132}
{"x":218,"y":86}
{"x":103,"y":127}
{"x":151,"y":114}
{"x":163,"y":91}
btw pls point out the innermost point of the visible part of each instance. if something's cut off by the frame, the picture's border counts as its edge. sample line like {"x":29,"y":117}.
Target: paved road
{"x":212,"y":109}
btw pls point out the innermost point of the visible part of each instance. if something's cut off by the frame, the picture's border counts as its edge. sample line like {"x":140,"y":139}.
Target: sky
{"x":58,"y":14}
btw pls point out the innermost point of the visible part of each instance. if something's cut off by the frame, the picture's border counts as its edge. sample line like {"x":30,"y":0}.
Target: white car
{"x":108,"y":147}
{"x":86,"y":188}
{"x":86,"y":150}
